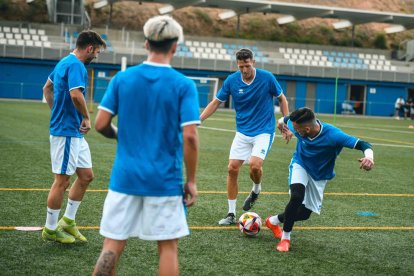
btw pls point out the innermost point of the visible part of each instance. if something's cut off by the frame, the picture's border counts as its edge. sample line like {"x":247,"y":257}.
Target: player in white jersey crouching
{"x":311,"y":167}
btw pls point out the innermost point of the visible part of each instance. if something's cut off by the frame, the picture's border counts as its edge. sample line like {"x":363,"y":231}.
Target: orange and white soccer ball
{"x":250,"y":224}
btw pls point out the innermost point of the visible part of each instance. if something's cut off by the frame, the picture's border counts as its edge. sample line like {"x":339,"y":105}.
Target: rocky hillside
{"x":205,"y":22}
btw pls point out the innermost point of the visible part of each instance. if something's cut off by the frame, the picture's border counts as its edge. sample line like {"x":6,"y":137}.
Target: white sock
{"x":72,"y":208}
{"x":286,"y":235}
{"x":274,"y":220}
{"x":257,"y":188}
{"x":52,"y":218}
{"x":232,"y":206}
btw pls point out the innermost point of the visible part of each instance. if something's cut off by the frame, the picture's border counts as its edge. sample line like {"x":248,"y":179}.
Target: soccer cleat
{"x":69,"y":226}
{"x":250,"y":200}
{"x":57,"y":235}
{"x":277,"y":232}
{"x":228,"y":220}
{"x":283,"y":246}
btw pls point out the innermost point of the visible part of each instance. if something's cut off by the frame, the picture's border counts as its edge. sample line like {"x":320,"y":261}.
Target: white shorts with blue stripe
{"x":314,"y":189}
{"x":243,"y":147}
{"x":69,"y":153}
{"x":146,"y":217}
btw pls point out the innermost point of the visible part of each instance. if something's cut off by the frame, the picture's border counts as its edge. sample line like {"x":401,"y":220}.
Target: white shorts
{"x":243,"y":147}
{"x":314,"y":189}
{"x":145,"y":217}
{"x":69,"y":153}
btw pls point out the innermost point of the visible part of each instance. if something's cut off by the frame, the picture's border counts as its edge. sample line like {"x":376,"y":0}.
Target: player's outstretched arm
{"x":367,"y":162}
{"x":210,"y":109}
{"x":190,"y":141}
{"x":48,"y":93}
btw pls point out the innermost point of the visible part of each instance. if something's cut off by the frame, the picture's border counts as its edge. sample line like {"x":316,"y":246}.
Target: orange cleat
{"x":277,"y":232}
{"x":283,"y":246}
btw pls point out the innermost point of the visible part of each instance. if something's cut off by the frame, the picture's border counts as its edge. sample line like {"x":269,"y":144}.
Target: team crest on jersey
{"x":262,"y":151}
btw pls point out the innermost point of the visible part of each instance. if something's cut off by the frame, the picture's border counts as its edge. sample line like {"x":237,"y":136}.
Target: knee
{"x":62,"y":182}
{"x":255,"y":168}
{"x":87,"y":177}
{"x":297,"y":192}
{"x":233,"y":169}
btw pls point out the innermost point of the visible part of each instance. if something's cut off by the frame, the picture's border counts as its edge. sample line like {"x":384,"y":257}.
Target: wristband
{"x":281,"y":121}
{"x":369,"y":153}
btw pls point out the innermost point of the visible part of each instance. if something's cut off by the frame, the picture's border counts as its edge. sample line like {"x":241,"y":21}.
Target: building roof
{"x":295,"y":11}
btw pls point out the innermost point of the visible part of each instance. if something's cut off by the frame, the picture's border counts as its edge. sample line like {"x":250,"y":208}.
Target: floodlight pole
{"x":238,"y":26}
{"x":353,"y":35}
{"x":111,"y":3}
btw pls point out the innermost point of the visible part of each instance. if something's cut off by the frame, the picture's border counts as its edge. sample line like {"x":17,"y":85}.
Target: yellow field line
{"x":222,"y":192}
{"x":296,"y":228}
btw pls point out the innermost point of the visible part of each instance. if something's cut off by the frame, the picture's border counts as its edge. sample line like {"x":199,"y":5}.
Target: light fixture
{"x":227,"y":14}
{"x":100,"y":4}
{"x":395,"y":29}
{"x":166,"y":9}
{"x":342,"y":24}
{"x":285,"y":19}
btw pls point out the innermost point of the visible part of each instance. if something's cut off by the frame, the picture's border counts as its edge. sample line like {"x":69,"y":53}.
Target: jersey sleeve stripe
{"x":356,"y":143}
{"x":191,"y":123}
{"x":50,"y":79}
{"x":220,"y":100}
{"x":106,"y":109}
{"x":70,"y":89}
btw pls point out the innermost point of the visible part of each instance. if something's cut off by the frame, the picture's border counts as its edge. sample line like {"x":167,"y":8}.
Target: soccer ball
{"x":250,"y":224}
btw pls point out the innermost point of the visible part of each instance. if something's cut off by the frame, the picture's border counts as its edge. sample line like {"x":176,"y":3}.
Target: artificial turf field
{"x":340,"y":241}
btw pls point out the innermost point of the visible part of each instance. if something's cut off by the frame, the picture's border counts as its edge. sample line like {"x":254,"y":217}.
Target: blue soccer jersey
{"x":317,"y":155}
{"x":70,"y":73}
{"x":153,"y":102}
{"x":253,"y":102}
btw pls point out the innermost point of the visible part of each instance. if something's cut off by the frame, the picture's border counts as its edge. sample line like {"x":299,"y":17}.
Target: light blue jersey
{"x":153,"y":102}
{"x":253,"y":102}
{"x":70,"y":73}
{"x":317,"y":155}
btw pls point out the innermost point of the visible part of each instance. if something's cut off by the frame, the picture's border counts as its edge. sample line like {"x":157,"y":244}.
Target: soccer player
{"x":158,"y":114}
{"x":252,"y":92}
{"x":318,"y":145}
{"x":64,"y":92}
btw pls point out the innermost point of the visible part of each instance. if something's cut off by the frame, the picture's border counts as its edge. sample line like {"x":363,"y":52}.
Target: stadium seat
{"x":33,"y":31}
{"x":3,"y":41}
{"x":6,"y":29}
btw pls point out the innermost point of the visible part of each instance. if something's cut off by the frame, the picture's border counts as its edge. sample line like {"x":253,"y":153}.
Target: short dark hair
{"x":244,"y":54}
{"x":163,"y":46}
{"x":302,"y":115}
{"x":89,"y":37}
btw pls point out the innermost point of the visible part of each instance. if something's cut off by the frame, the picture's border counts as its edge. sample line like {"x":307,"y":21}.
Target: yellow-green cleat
{"x":57,"y":235}
{"x":69,"y":226}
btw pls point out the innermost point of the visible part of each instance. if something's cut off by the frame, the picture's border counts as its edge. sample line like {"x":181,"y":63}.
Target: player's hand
{"x":287,"y":134}
{"x":366,"y":163}
{"x":85,"y":126}
{"x":190,"y":193}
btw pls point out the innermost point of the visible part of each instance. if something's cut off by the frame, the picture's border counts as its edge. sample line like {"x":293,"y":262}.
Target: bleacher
{"x":215,"y":50}
{"x":338,"y":59}
{"x":50,"y":41}
{"x":24,"y":37}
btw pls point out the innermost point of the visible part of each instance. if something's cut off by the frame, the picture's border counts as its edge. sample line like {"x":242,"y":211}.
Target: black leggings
{"x":295,"y":210}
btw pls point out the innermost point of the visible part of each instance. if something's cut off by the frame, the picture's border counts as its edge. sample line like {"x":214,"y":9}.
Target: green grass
{"x":25,"y":163}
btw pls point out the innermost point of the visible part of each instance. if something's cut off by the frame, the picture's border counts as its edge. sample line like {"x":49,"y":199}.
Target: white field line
{"x":277,"y":135}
